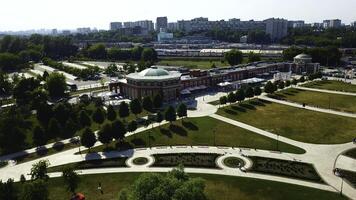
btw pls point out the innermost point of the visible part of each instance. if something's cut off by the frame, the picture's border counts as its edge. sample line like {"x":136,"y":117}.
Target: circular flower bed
{"x":140,"y":161}
{"x":234,"y":162}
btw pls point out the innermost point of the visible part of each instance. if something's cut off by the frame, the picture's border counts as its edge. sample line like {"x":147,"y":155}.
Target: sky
{"x":70,"y":14}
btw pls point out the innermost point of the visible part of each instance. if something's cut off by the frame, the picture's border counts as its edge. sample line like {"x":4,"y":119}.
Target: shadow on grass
{"x":58,"y":146}
{"x":230,"y":112}
{"x":41,"y":151}
{"x":178,"y":130}
{"x":166,"y":132}
{"x":248,"y":106}
{"x":138,"y":142}
{"x":190,"y":126}
{"x":238,"y":108}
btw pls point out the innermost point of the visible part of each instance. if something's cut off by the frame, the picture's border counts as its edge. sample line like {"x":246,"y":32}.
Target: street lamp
{"x":337,"y":173}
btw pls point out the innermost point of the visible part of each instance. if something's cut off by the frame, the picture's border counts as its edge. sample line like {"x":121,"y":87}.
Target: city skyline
{"x":71,"y":15}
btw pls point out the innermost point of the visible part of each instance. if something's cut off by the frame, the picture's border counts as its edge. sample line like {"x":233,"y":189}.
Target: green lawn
{"x":193,"y":64}
{"x":330,"y":101}
{"x":200,"y":131}
{"x":295,"y":123}
{"x":332,"y":85}
{"x":351,"y":153}
{"x":217,"y":188}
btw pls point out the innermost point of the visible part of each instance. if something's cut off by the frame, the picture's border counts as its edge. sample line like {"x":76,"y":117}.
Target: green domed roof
{"x":303,"y":56}
{"x":154,"y":71}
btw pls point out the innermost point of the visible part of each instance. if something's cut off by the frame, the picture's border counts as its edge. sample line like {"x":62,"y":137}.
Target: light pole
{"x":337,"y":173}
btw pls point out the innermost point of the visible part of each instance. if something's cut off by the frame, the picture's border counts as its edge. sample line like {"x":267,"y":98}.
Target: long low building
{"x":173,"y":84}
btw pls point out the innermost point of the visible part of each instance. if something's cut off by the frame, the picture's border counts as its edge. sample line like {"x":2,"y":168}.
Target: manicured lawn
{"x":295,"y":123}
{"x":199,"y":160}
{"x":217,"y":188}
{"x":330,"y":101}
{"x":200,"y":131}
{"x":332,"y":85}
{"x":351,"y":153}
{"x":193,"y":64}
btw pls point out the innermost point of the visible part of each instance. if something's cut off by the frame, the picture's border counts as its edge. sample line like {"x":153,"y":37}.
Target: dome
{"x":154,"y":71}
{"x":302,"y":56}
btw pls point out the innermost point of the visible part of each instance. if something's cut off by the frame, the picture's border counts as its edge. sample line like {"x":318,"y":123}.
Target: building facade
{"x":161,"y":22}
{"x":276,"y":28}
{"x":115,"y":26}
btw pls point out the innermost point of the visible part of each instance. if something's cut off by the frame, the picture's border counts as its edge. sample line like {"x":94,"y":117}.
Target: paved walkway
{"x":326,"y":91}
{"x":323,"y":110}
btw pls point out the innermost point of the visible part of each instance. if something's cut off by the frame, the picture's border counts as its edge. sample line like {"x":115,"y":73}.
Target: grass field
{"x":193,"y":64}
{"x":351,"y":153}
{"x":217,"y":188}
{"x":318,"y":99}
{"x":200,"y":131}
{"x":332,"y":85}
{"x":295,"y":123}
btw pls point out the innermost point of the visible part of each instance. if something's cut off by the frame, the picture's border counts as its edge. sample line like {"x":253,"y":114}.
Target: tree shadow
{"x":248,"y":106}
{"x":257,"y":103}
{"x":41,"y":151}
{"x":178,"y":130}
{"x":229,"y":111}
{"x":166,"y":132}
{"x":238,"y":108}
{"x":58,"y":146}
{"x":123,"y":145}
{"x":92,"y":156}
{"x":138,"y":142}
{"x":264,"y":101}
{"x":190,"y":125}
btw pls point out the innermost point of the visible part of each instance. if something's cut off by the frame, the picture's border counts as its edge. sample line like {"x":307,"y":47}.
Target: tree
{"x":294,"y":81}
{"x":240,"y":95}
{"x":105,"y":134}
{"x":231,"y":97}
{"x":39,"y":136}
{"x":54,"y":128}
{"x":223,"y":100}
{"x":149,"y":54}
{"x":269,"y":87}
{"x":39,"y":170}
{"x":35,"y":190}
{"x":97,"y":51}
{"x":118,"y":130}
{"x":287,"y":83}
{"x":254,"y":57}
{"x":8,"y":190}
{"x":147,"y":104}
{"x":98,"y":116}
{"x":44,"y":114}
{"x":233,"y":57}
{"x":5,"y":85}
{"x":124,"y":110}
{"x":111,"y":70}
{"x":157,"y":101}
{"x":170,"y":114}
{"x":281,"y":85}
{"x":257,"y":91}
{"x":249,"y":92}
{"x":159,"y":117}
{"x":84,"y":119}
{"x":182,"y":110}
{"x":111,"y":113}
{"x":132,"y":126}
{"x":62,"y":112}
{"x":56,"y":85}
{"x":135,"y":106}
{"x":88,"y":138}
{"x":302,"y":79}
{"x":71,"y":179}
{"x":70,"y":128}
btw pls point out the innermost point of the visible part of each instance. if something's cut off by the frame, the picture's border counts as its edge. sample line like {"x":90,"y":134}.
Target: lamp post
{"x":337,"y":173}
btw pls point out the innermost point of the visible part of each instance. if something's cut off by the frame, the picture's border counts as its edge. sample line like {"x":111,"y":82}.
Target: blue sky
{"x":68,"y":14}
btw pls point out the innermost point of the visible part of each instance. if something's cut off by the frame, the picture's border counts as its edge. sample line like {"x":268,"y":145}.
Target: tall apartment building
{"x":84,"y":30}
{"x":296,"y":24}
{"x":145,"y":24}
{"x":332,"y":23}
{"x":276,"y":28}
{"x":173,"y":26}
{"x":161,"y":22}
{"x":115,"y":26}
{"x":353,"y":24}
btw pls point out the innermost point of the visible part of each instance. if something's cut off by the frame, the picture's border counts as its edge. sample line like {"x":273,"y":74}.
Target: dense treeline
{"x":325,"y":56}
{"x":228,"y":35}
{"x":341,"y":37}
{"x":16,"y":52}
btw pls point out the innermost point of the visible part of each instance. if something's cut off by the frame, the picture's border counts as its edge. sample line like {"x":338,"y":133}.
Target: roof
{"x":303,"y":56}
{"x":154,"y":71}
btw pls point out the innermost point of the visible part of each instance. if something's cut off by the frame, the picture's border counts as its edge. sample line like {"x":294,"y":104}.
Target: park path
{"x":69,"y":157}
{"x":326,"y":91}
{"x":323,"y":110}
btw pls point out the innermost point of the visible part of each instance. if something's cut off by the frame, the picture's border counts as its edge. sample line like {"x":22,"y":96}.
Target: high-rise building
{"x":332,"y":23}
{"x":353,"y":24}
{"x":161,"y":22}
{"x":276,"y":28}
{"x":172,"y":26}
{"x":54,"y":31}
{"x":296,"y":24}
{"x":115,"y":26}
{"x":85,"y":30}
